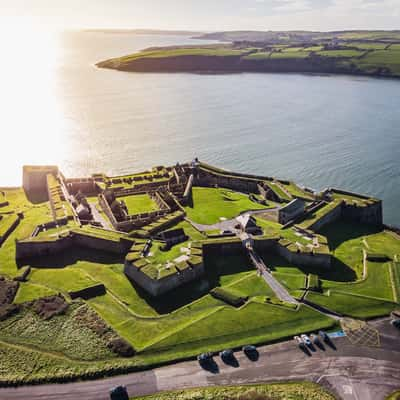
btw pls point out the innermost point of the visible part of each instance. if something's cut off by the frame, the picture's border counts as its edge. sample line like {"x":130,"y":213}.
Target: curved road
{"x":353,"y":372}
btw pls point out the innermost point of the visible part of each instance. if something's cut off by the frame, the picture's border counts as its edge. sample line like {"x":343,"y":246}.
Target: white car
{"x":314,"y":338}
{"x":299,"y":340}
{"x":306,"y":339}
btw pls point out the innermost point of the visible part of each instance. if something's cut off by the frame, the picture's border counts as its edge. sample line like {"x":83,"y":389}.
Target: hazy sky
{"x":204,"y":14}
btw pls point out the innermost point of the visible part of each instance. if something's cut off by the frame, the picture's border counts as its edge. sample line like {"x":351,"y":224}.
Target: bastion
{"x":153,"y":220}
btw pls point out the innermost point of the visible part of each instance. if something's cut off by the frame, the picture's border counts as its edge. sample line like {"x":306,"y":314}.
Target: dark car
{"x":249,"y":349}
{"x":204,"y":358}
{"x":226,"y":355}
{"x":315,"y":339}
{"x":324,"y":336}
{"x":119,"y":393}
{"x":395,"y":323}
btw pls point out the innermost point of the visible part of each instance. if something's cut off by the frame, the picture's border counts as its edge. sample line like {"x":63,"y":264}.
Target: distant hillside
{"x":374,"y":57}
{"x":298,"y":36}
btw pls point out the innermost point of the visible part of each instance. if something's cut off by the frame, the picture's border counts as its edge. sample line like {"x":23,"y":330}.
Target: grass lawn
{"x":139,"y":203}
{"x":255,"y":322}
{"x":377,"y":283}
{"x":34,"y":214}
{"x":340,"y":53}
{"x":63,"y":280}
{"x":317,"y":215}
{"x":259,"y":55}
{"x":352,"y":305}
{"x":210,"y":204}
{"x":289,"y":54}
{"x":30,"y":291}
{"x":276,"y":391}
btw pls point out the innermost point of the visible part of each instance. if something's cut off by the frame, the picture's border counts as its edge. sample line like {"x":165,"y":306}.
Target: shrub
{"x":48,"y":307}
{"x":228,"y":296}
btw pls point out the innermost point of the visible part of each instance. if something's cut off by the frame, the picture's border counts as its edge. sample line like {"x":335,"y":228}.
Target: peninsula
{"x":373,"y":53}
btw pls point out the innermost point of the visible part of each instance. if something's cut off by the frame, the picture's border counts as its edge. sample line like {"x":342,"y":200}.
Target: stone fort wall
{"x":37,"y":248}
{"x":157,"y":287}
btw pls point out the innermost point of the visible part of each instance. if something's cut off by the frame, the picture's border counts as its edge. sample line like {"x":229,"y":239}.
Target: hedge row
{"x":228,"y":297}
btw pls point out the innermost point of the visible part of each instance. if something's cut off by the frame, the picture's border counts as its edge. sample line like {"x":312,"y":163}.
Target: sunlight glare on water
{"x":32,"y":121}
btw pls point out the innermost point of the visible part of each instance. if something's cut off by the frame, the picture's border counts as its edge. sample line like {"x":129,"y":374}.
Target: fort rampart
{"x":157,"y":287}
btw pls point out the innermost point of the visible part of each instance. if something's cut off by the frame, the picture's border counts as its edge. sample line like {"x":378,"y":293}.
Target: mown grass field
{"x":139,"y":203}
{"x":277,"y":391}
{"x":210,"y":205}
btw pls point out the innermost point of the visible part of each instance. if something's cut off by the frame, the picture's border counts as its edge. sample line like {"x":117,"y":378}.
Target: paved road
{"x":98,"y":217}
{"x":276,"y":286}
{"x":229,"y":224}
{"x":352,"y":372}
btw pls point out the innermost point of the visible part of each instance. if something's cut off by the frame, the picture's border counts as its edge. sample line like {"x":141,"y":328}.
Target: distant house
{"x":291,"y":211}
{"x":173,"y":236}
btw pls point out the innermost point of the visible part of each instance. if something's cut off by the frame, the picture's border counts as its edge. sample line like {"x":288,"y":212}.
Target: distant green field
{"x":368,"y":45}
{"x":179,"y":52}
{"x":367,"y":53}
{"x":381,"y":58}
{"x":290,"y":54}
{"x":259,"y":55}
{"x":340,"y":53}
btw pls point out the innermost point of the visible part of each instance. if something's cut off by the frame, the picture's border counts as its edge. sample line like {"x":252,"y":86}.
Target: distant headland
{"x":373,"y":53}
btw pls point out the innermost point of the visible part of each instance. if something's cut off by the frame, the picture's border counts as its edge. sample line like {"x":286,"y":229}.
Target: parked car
{"x":324,"y":336}
{"x":204,"y":358}
{"x":306,"y":339}
{"x":226,"y":355}
{"x":249,"y":349}
{"x":119,"y":393}
{"x":299,"y":341}
{"x":315,"y":339}
{"x":395,"y":323}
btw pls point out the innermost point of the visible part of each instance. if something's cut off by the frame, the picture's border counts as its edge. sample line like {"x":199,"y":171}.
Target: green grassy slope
{"x":278,"y":391}
{"x":380,"y":57}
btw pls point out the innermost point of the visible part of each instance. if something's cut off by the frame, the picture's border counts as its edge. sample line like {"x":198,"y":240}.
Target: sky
{"x":202,"y":15}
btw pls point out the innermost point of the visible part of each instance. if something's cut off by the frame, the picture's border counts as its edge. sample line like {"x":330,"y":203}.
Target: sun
{"x":31,"y":120}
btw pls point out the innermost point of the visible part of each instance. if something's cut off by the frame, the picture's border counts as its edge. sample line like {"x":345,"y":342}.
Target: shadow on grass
{"x":176,"y":299}
{"x":71,"y":257}
{"x":339,"y":271}
{"x":216,"y":267}
{"x":342,"y":231}
{"x":37,"y":198}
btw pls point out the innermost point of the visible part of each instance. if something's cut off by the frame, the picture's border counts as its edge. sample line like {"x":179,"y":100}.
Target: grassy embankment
{"x":276,"y":391}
